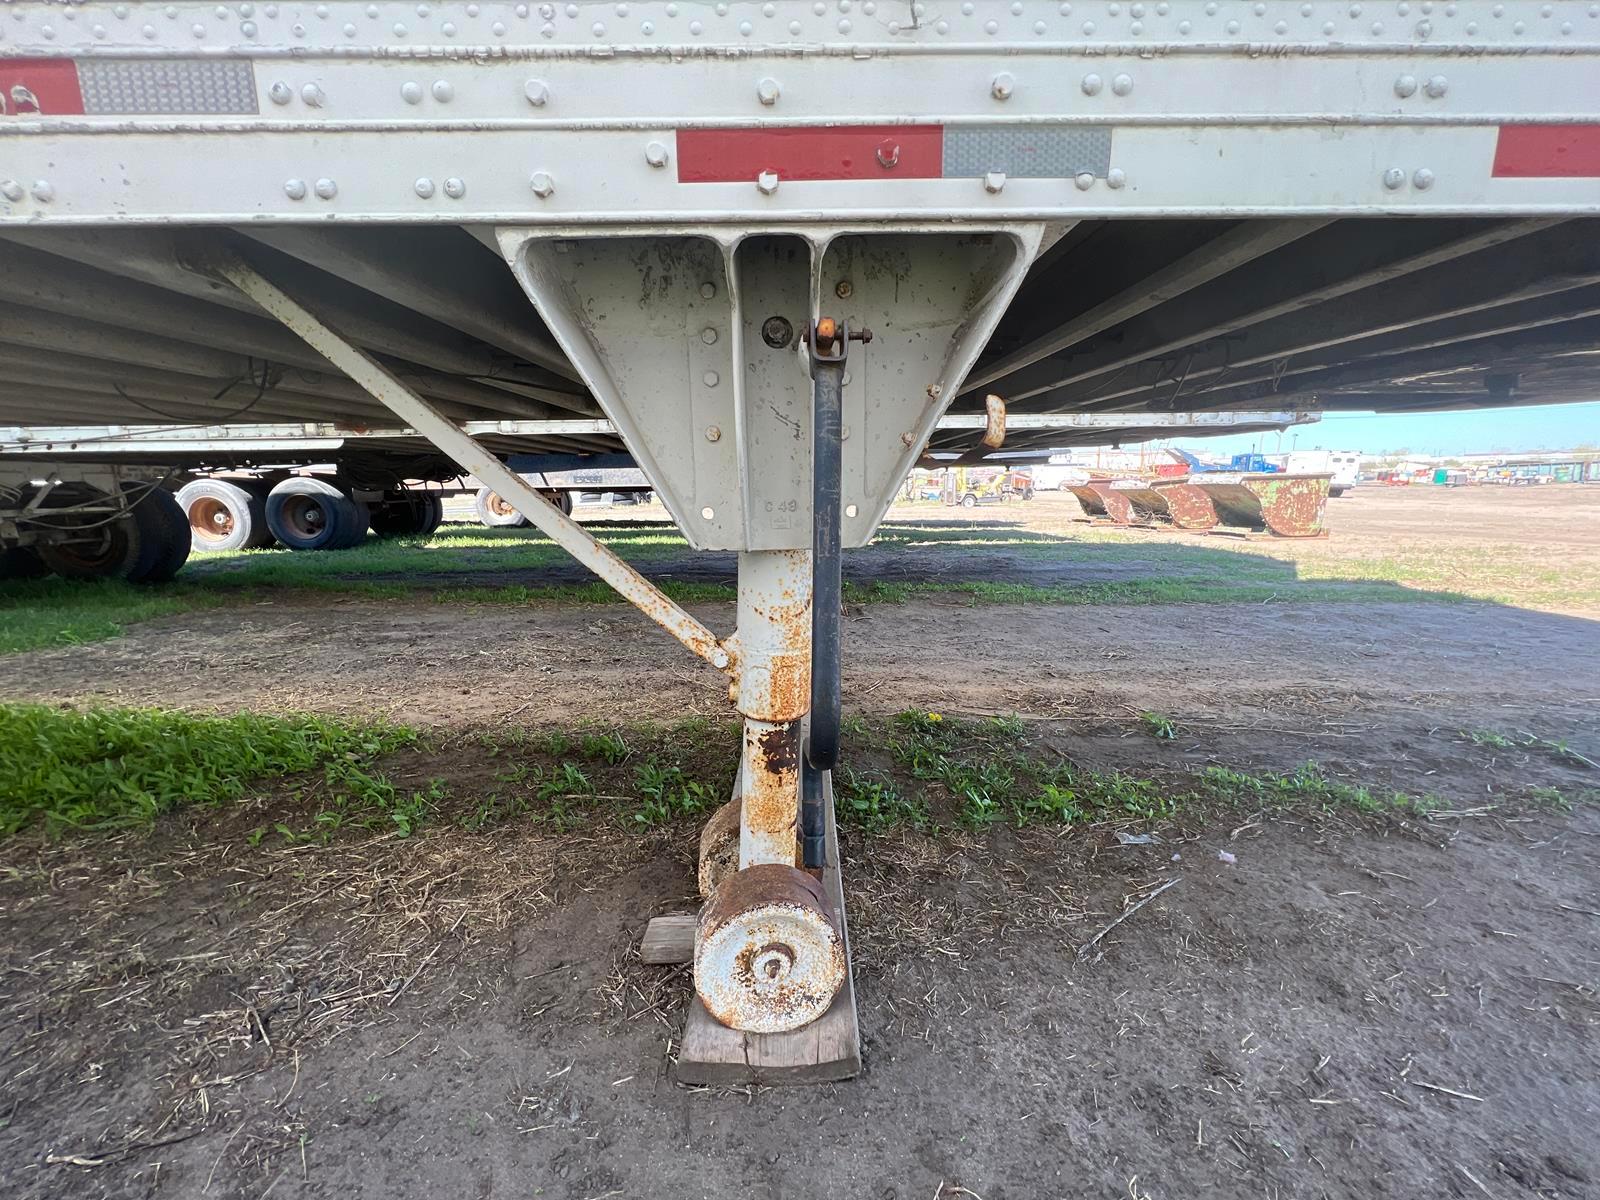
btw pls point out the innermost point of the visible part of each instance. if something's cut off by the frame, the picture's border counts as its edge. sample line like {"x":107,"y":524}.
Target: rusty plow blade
{"x":1291,"y":506}
{"x":1133,"y":502}
{"x":1093,"y":507}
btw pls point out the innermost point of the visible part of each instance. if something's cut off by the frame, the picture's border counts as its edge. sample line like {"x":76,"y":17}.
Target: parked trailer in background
{"x":774,"y":242}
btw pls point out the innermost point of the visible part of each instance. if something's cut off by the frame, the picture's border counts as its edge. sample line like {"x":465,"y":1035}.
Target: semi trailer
{"x":773,"y":242}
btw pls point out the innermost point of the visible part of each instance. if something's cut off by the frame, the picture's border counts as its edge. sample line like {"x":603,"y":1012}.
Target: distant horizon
{"x":1544,"y":428}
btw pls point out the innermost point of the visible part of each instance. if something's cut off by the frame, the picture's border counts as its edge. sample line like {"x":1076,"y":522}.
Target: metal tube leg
{"x":774,"y":696}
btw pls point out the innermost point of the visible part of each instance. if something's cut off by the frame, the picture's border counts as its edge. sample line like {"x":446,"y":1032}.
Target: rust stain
{"x":780,"y":748}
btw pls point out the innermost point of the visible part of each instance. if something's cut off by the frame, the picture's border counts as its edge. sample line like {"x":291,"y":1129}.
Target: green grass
{"x":314,"y":779}
{"x":106,"y":768}
{"x":36,"y":614}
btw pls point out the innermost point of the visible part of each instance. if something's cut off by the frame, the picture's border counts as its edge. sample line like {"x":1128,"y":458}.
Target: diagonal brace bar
{"x":472,"y":458}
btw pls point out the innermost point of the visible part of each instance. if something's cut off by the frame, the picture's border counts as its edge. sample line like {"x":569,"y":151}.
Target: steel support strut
{"x":473,"y":458}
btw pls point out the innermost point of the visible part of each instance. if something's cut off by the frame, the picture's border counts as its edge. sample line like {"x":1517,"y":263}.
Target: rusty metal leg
{"x":774,"y":696}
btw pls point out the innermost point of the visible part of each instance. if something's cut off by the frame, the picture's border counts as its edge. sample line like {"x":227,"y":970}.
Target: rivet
{"x":454,"y":188}
{"x":1122,"y":84}
{"x":1116,"y":178}
{"x":707,"y":513}
{"x":537,"y":92}
{"x":411,"y":92}
{"x":713,"y":434}
{"x":906,"y":439}
{"x":1084,"y":180}
{"x":1003,"y":86}
{"x":280,"y":93}
{"x":1437,"y":86}
{"x":443,"y":91}
{"x":313,"y":95}
{"x":10,"y":189}
{"x":325,"y":188}
{"x":295,"y":189}
{"x":711,"y":379}
{"x":708,"y":290}
{"x":993,"y":181}
{"x":42,"y":191}
{"x":767,"y":91}
{"x":542,"y":184}
{"x":1394,"y":178}
{"x":767,"y":182}
{"x":708,"y":335}
{"x":656,"y":154}
{"x":1423,"y":179}
{"x":424,"y":187}
{"x":1092,"y":84}
{"x":850,"y":510}
{"x":248,"y":28}
{"x":198,"y":30}
{"x":1405,"y":86}
{"x":934,"y":392}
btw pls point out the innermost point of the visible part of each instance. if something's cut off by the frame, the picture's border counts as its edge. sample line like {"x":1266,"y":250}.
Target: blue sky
{"x":1541,"y":427}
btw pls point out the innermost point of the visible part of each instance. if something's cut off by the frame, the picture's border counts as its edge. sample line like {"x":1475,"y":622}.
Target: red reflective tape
{"x":1548,"y":152}
{"x":824,"y":152}
{"x":39,"y":86}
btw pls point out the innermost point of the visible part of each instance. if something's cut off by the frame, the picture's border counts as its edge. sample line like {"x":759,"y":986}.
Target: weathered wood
{"x":826,"y":1050}
{"x":669,"y":940}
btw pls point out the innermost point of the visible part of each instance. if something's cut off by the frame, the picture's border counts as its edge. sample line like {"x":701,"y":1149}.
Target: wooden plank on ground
{"x":669,"y":940}
{"x":826,"y":1050}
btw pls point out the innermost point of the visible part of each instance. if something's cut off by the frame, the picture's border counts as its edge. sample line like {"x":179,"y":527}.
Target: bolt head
{"x":1084,"y":180}
{"x":295,"y":189}
{"x":411,"y":92}
{"x":1122,"y":84}
{"x":934,"y":392}
{"x":1116,"y":177}
{"x":1422,"y":180}
{"x":844,"y":289}
{"x":43,"y":191}
{"x":280,"y":92}
{"x":906,"y":439}
{"x":1394,"y":178}
{"x":711,"y":379}
{"x":1004,"y":86}
{"x":713,"y":433}
{"x":537,"y":92}
{"x":767,"y":91}
{"x":541,"y":184}
{"x":1092,"y":84}
{"x":708,"y":335}
{"x":994,"y":181}
{"x":707,"y":290}
{"x":313,"y":95}
{"x":424,"y":188}
{"x":455,"y":188}
{"x":1406,"y":86}
{"x":11,"y":189}
{"x":656,"y":154}
{"x":1437,"y":86}
{"x":767,"y":182}
{"x":326,"y":189}
{"x":443,"y":91}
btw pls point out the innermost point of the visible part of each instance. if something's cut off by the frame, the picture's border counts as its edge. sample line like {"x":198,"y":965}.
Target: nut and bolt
{"x":777,"y":332}
{"x":541,"y":184}
{"x":843,"y":289}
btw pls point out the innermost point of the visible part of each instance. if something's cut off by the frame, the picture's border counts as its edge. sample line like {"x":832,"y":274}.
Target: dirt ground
{"x":1353,"y":1007}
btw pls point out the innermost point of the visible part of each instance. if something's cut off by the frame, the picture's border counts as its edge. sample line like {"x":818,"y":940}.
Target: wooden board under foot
{"x":827,"y":1050}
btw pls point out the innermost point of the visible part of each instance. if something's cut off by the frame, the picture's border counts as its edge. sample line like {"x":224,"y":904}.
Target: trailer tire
{"x":114,"y":553}
{"x":306,"y":513}
{"x":416,"y":514}
{"x":435,"y":514}
{"x":495,"y":512}
{"x":22,"y":562}
{"x":165,"y":536}
{"x":969,"y":501}
{"x":222,"y":515}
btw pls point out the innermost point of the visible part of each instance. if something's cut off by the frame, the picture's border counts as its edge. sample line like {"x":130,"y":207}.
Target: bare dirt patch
{"x":1354,"y":1007}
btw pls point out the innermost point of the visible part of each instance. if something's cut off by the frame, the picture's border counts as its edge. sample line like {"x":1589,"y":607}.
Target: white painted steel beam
{"x":328,"y":435}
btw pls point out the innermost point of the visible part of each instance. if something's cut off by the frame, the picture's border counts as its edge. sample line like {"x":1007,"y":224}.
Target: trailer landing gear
{"x":765,"y":445}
